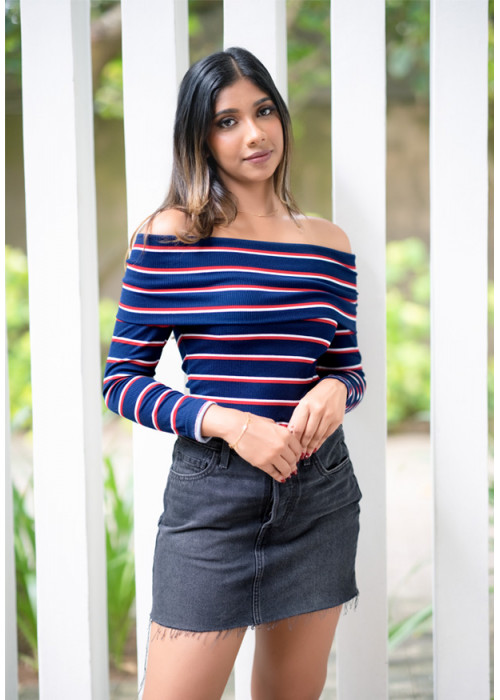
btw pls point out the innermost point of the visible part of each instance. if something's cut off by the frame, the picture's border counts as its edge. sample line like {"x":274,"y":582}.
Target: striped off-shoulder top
{"x":257,"y":325}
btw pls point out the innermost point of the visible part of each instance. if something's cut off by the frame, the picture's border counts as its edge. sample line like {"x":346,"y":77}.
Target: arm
{"x":131,"y":390}
{"x":342,"y":361}
{"x":340,"y":389}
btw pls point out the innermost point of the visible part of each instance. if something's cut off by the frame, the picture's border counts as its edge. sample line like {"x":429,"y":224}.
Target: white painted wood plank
{"x":458,"y":169}
{"x":243,"y":667}
{"x":260,"y":27}
{"x":9,"y":671}
{"x":152,"y":71}
{"x":61,"y":238}
{"x":358,"y":145}
{"x":244,"y":26}
{"x":496,"y":341}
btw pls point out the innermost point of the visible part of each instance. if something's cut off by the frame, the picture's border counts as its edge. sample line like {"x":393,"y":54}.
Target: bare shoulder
{"x":325,"y":233}
{"x":168,"y":222}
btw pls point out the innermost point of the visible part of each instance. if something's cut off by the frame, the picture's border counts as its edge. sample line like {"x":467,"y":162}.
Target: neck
{"x":255,"y":198}
{"x":259,"y":206}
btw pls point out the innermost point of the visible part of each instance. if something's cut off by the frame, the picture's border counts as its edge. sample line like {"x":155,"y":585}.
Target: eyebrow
{"x":232,"y":110}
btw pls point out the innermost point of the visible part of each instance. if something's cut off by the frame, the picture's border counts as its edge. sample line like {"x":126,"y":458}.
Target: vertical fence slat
{"x":61,"y":241}
{"x":358,"y":144}
{"x":155,"y":57}
{"x":459,"y":182}
{"x":10,"y":626}
{"x":244,"y":26}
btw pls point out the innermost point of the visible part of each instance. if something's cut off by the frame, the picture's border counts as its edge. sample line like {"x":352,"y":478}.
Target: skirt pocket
{"x":191,"y":460}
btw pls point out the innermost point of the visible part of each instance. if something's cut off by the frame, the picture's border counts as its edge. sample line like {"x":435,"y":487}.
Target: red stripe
{"x":137,"y":410}
{"x":173,"y":415}
{"x":138,"y":343}
{"x":216,"y":288}
{"x":239,"y":358}
{"x":124,"y":392}
{"x":256,"y":380}
{"x":219,"y":268}
{"x":159,"y":401}
{"x":160,"y":249}
{"x":232,"y":308}
{"x":245,"y":339}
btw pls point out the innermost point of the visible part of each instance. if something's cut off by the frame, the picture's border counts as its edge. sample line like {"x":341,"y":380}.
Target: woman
{"x":261,"y":507}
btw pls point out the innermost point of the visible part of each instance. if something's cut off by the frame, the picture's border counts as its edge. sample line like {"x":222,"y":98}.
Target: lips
{"x":259,"y":157}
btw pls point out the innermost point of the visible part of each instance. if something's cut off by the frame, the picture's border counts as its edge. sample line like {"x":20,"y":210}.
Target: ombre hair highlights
{"x":195,"y":186}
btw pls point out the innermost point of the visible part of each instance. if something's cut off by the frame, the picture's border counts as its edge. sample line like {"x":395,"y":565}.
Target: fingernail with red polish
{"x":308,"y":454}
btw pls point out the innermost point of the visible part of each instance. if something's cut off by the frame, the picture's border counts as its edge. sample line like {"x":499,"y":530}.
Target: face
{"x":246,"y":137}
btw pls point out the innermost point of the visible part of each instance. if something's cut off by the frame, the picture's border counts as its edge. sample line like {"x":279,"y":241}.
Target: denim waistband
{"x":216,"y":444}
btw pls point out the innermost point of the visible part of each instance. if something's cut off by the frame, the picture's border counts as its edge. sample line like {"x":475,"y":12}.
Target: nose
{"x":255,"y":134}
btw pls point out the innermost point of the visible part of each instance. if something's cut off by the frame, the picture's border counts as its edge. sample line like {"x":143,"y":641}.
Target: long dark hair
{"x":195,"y":187}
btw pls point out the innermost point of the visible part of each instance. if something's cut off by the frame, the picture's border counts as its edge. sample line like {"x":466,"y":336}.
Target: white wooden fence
{"x":61,"y":231}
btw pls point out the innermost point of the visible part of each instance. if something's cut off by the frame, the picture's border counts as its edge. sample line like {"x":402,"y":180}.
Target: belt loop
{"x":225,"y":455}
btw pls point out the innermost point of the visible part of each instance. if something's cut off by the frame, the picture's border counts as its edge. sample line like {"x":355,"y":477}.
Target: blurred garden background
{"x":408,"y":387}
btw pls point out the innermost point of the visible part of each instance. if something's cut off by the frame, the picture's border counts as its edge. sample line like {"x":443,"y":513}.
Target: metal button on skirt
{"x":236,"y":548}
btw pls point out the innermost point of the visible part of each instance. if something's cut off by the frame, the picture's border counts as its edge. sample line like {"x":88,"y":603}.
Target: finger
{"x":292,"y":456}
{"x":298,"y":421}
{"x":275,"y":473}
{"x":310,"y":434}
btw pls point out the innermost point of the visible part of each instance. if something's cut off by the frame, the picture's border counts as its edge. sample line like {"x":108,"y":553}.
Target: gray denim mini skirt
{"x":236,"y":548}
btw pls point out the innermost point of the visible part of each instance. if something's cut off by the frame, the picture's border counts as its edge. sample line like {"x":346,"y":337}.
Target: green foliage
{"x":408,"y":328}
{"x":17,"y":316}
{"x":119,"y":565}
{"x":120,"y":562}
{"x":13,"y":44}
{"x":25,"y":558}
{"x":407,"y":31}
{"x":308,"y":47}
{"x":411,"y":626}
{"x":108,"y":97}
{"x":18,"y":335}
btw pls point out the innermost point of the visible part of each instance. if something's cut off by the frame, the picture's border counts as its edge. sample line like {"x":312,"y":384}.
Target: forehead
{"x":242,"y":92}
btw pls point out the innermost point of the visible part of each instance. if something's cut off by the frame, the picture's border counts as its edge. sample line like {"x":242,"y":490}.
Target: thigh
{"x":291,"y":659}
{"x":189,"y":666}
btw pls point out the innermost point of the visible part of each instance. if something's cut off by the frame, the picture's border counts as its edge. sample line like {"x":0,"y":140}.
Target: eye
{"x":226,"y":122}
{"x":267,"y":110}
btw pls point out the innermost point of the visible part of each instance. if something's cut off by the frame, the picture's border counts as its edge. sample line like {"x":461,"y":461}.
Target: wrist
{"x":225,"y":423}
{"x":337,"y":385}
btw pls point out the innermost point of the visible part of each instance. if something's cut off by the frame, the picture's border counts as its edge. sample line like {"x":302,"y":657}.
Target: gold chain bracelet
{"x":243,"y":431}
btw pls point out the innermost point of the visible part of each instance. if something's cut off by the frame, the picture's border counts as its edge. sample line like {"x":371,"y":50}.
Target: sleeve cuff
{"x":199,"y":418}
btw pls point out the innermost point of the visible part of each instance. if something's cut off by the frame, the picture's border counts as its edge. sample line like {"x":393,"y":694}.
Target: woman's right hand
{"x":265,"y":444}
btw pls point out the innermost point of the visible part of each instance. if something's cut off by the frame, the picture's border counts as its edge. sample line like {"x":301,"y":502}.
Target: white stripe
{"x":299,"y":274}
{"x":138,"y":401}
{"x":123,"y":392}
{"x":131,"y":341}
{"x":129,"y":359}
{"x":266,"y":379}
{"x":268,"y":253}
{"x":237,"y":309}
{"x":116,"y":376}
{"x":269,"y":358}
{"x":336,"y":351}
{"x":199,"y":290}
{"x":257,"y":336}
{"x":157,"y":403}
{"x":243,"y":399}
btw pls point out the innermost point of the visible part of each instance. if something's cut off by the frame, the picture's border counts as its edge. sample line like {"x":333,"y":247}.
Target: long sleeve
{"x":342,"y":361}
{"x":131,"y":390}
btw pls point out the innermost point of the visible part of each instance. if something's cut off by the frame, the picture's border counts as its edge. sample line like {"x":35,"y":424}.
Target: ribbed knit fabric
{"x":257,"y":324}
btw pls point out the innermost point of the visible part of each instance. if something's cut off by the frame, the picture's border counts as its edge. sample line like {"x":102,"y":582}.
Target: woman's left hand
{"x":318,"y":414}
